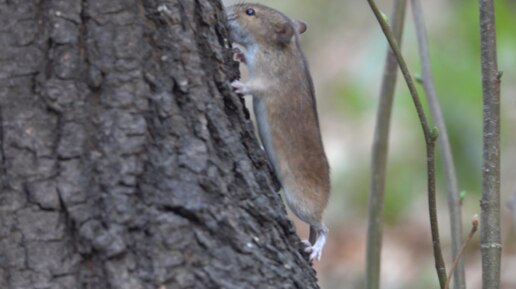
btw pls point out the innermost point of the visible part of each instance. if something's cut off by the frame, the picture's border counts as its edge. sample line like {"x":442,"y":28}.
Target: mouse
{"x":284,"y":104}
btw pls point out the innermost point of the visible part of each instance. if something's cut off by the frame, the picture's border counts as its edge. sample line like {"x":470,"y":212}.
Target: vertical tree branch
{"x":490,"y":204}
{"x":380,"y":152}
{"x":430,"y":137}
{"x":454,"y":206}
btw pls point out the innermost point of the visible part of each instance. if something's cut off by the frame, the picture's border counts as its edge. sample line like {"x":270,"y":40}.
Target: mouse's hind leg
{"x":318,"y":235}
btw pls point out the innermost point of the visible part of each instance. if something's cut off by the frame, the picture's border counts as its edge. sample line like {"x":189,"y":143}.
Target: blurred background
{"x":346,"y":51}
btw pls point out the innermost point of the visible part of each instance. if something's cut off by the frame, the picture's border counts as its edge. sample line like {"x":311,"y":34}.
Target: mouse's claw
{"x":307,"y":246}
{"x":315,"y":254}
{"x":315,"y":251}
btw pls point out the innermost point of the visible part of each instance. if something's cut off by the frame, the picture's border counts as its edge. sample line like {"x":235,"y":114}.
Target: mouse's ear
{"x":284,"y":32}
{"x":300,"y":26}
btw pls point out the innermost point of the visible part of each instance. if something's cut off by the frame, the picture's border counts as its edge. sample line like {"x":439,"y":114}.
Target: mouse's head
{"x":251,"y":24}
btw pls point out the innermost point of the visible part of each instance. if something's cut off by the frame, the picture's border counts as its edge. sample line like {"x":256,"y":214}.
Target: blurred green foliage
{"x":455,"y":56}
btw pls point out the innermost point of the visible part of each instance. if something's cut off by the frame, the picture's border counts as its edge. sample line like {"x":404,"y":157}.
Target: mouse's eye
{"x":250,"y":11}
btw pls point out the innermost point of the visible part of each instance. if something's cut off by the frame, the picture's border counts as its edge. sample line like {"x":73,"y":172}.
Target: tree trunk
{"x":126,"y":161}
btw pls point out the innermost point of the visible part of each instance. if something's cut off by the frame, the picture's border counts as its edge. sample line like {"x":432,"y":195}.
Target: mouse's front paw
{"x":239,"y":55}
{"x":239,"y":87}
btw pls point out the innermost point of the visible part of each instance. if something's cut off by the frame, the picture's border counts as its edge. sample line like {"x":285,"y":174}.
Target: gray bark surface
{"x":125,"y":159}
{"x":490,"y":229}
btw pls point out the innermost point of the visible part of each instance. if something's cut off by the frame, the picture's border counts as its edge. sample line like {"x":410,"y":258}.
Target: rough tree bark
{"x":125,"y":159}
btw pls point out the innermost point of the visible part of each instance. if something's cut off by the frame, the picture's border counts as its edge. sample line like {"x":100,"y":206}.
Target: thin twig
{"x":454,"y":205}
{"x":490,"y":237}
{"x":380,"y":152}
{"x":474,"y":227}
{"x":430,"y":137}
